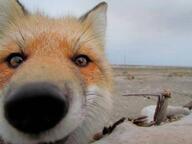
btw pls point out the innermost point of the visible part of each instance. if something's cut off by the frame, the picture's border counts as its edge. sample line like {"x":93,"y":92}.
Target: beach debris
{"x":159,"y":113}
{"x":160,"y":110}
{"x":130,"y":77}
{"x":188,"y":105}
{"x":108,"y":130}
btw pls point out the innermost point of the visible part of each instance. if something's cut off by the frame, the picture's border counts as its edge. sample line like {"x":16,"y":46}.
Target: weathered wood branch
{"x":161,"y":106}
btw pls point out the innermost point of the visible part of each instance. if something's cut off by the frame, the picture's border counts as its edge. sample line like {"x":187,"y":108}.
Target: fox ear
{"x":22,"y":7}
{"x":10,"y":10}
{"x":97,"y":19}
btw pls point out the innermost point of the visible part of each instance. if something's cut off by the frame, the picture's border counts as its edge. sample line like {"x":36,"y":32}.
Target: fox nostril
{"x":35,"y":108}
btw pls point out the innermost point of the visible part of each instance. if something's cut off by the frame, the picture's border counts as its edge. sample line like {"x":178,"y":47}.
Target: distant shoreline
{"x":151,"y":66}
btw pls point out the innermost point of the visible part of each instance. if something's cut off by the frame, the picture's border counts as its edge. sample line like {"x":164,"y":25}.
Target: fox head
{"x":55,"y":82}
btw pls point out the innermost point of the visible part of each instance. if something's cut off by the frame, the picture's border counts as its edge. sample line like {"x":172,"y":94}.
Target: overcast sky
{"x":140,"y":32}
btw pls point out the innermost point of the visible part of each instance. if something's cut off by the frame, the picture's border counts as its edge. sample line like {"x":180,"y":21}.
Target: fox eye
{"x":81,"y":60}
{"x":15,"y":59}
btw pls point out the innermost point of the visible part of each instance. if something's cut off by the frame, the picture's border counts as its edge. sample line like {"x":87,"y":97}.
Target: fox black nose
{"x":35,"y":108}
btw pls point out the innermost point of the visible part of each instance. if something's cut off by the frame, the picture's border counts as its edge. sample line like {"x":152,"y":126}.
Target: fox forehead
{"x":66,"y":36}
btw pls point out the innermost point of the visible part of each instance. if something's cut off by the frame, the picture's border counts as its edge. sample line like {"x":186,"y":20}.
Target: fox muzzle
{"x":35,"y":107}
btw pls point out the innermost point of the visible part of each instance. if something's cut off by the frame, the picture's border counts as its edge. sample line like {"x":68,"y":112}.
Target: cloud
{"x":150,"y":32}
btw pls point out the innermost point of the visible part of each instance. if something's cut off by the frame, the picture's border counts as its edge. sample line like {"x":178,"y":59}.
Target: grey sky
{"x":140,"y":32}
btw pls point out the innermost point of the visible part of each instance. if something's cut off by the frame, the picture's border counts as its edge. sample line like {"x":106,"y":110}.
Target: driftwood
{"x":136,"y":135}
{"x":178,"y":132}
{"x":188,"y":105}
{"x":160,"y":111}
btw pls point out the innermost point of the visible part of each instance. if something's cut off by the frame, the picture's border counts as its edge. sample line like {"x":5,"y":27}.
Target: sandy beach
{"x":141,"y":79}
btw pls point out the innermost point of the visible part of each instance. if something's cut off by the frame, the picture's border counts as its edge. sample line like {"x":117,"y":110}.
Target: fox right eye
{"x":81,"y":60}
{"x":15,"y":59}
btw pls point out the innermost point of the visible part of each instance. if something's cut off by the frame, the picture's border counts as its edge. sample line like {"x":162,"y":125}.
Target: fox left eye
{"x":81,"y":60}
{"x":15,"y":59}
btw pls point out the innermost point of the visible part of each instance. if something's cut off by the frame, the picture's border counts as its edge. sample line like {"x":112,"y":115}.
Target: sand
{"x":130,"y":80}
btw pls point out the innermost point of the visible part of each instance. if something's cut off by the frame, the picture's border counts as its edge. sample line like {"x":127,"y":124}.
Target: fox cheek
{"x":5,"y":75}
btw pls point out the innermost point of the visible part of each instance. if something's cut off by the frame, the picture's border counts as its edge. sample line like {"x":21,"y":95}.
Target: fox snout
{"x":35,"y":107}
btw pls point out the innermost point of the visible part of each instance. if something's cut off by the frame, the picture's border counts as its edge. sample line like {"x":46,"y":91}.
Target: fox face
{"x":55,"y":82}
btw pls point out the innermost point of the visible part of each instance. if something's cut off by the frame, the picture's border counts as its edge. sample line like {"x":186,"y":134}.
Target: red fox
{"x":55,"y":81}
